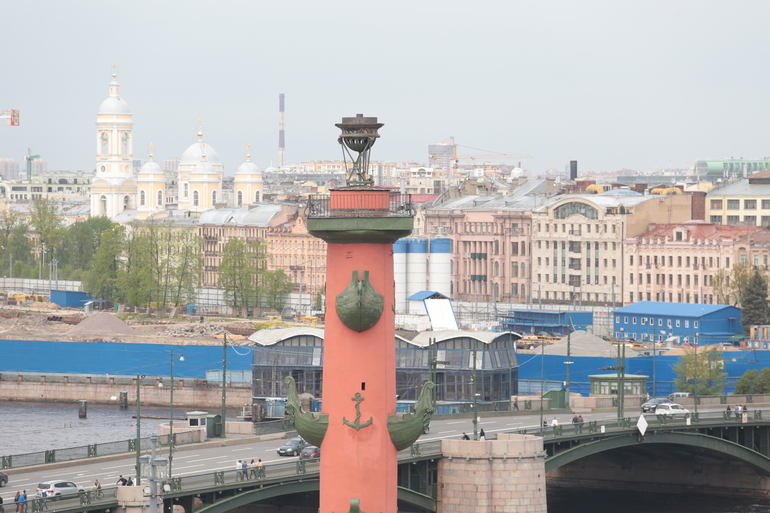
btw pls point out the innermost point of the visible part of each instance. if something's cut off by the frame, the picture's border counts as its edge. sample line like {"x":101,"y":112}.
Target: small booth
{"x":197,"y":419}
{"x":607,"y":384}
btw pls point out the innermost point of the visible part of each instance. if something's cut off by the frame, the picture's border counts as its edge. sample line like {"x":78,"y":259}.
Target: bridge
{"x":715,"y":437}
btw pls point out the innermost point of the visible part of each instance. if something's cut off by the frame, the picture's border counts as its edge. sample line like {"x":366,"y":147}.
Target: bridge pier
{"x":506,"y":475}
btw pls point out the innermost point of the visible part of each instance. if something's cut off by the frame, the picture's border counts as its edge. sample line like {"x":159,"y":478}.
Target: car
{"x":3,"y":479}
{"x":677,"y":395}
{"x":672,"y":410}
{"x":649,"y":406}
{"x":58,"y":488}
{"x":293,"y":447}
{"x":310,"y":452}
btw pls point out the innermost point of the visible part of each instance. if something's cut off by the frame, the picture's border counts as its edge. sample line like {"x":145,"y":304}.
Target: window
{"x":633,"y":320}
{"x":160,"y":198}
{"x":686,"y":324}
{"x":625,"y":320}
{"x":668,"y":322}
{"x":765,"y":204}
{"x":141,"y":198}
{"x":750,"y":204}
{"x":718,"y":219}
{"x":196,"y":200}
{"x":733,"y":220}
{"x":677,"y":323}
{"x":694,"y":324}
{"x":750,"y":220}
{"x":660,"y":321}
{"x":239,"y":201}
{"x":716,"y":204}
{"x":644,"y":321}
{"x":733,"y":204}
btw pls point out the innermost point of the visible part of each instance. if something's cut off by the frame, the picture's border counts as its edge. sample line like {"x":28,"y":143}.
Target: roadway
{"x":210,"y":457}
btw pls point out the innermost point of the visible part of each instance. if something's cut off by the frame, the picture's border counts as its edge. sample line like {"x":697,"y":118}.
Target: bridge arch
{"x":306,"y":485}
{"x":758,"y":461}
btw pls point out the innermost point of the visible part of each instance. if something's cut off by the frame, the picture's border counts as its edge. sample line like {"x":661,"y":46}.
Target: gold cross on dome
{"x":151,"y":146}
{"x":114,"y":70}
{"x":248,"y":149}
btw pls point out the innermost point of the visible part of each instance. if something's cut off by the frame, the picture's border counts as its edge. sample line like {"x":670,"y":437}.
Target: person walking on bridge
{"x":575,"y":423}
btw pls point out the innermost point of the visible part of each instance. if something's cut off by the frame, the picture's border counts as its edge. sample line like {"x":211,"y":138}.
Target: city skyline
{"x":638,"y":86}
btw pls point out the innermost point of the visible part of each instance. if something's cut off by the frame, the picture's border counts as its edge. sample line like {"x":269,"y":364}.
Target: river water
{"x":575,"y":501}
{"x":33,"y":427}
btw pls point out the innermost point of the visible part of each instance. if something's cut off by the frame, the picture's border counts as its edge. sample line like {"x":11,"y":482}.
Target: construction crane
{"x":29,"y":158}
{"x":455,"y":158}
{"x":11,"y":115}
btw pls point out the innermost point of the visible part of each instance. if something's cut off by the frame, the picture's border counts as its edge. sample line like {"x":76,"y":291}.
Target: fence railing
{"x":92,"y":451}
{"x":361,"y":205}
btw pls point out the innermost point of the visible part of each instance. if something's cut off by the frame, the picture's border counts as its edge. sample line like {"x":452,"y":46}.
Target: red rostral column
{"x":359,"y":430}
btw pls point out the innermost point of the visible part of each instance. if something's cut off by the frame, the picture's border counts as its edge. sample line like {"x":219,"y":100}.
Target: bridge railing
{"x":630,"y":423}
{"x":91,"y":451}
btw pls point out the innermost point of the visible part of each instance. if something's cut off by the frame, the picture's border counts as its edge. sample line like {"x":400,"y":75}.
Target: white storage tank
{"x":416,"y":266}
{"x":440,"y":266}
{"x":399,"y":273}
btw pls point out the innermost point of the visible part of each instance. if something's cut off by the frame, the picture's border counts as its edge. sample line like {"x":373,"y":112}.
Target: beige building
{"x":491,"y":242}
{"x":678,"y":262}
{"x":745,"y":201}
{"x":299,"y":254}
{"x":577,"y":242}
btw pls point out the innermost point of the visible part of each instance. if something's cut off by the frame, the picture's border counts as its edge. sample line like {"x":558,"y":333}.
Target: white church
{"x":123,"y":195}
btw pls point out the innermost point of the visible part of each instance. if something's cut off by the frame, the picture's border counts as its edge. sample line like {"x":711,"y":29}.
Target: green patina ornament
{"x":406,"y":428}
{"x":310,"y":425}
{"x":359,"y":306}
{"x":357,"y":424}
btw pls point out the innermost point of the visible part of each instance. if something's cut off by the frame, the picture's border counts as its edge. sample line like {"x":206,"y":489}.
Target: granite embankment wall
{"x":198,"y":396}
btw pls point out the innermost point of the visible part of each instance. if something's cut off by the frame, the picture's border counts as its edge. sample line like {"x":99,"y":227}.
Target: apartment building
{"x":299,"y":254}
{"x":677,"y":262}
{"x":745,"y":201}
{"x":577,"y":242}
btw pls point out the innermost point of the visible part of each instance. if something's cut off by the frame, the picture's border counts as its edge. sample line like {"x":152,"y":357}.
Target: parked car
{"x":3,"y":479}
{"x":58,"y":488}
{"x":677,"y":395}
{"x":310,"y":452}
{"x":672,"y":410}
{"x":649,"y":406}
{"x":293,"y":447}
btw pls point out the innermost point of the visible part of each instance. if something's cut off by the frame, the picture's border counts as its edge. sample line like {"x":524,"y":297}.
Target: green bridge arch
{"x":734,"y":450}
{"x":311,"y":484}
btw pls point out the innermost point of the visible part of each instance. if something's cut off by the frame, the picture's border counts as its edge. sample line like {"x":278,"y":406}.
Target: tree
{"x":79,"y":246}
{"x":44,"y":217}
{"x":241,"y":273}
{"x":700,"y":372}
{"x":754,"y":382}
{"x":729,"y":286}
{"x":754,"y":301}
{"x":102,"y":280}
{"x":277,"y":285}
{"x":136,"y":282}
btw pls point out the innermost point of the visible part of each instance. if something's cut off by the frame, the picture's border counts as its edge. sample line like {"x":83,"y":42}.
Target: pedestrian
{"x":44,"y":497}
{"x":554,"y":423}
{"x":130,"y":482}
{"x":545,"y":426}
{"x":575,"y":423}
{"x":516,"y":402}
{"x":580,"y":424}
{"x":482,"y":436}
{"x":16,"y":501}
{"x":2,"y":508}
{"x":728,"y":410}
{"x":97,"y":487}
{"x":260,"y":468}
{"x":121,"y":481}
{"x":23,"y":501}
{"x":737,"y":411}
{"x":465,"y":436}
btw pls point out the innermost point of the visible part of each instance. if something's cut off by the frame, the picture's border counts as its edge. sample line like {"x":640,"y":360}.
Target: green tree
{"x":754,"y":382}
{"x":754,"y":301}
{"x":701,"y":371}
{"x":79,"y":246}
{"x":136,"y":283}
{"x":241,"y":273}
{"x":277,"y":286}
{"x":729,"y":286}
{"x":102,"y":280}
{"x":45,"y":219}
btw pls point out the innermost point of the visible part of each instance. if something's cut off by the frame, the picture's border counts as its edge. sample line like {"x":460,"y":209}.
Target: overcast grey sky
{"x":613,"y":84}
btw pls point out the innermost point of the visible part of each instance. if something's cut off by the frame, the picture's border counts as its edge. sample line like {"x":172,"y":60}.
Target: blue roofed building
{"x":700,"y":324}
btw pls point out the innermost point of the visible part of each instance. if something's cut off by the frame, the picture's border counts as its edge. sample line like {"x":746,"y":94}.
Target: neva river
{"x":569,"y":501}
{"x":37,"y":427}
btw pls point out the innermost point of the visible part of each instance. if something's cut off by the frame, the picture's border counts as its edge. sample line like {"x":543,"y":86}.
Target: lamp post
{"x":171,"y":355}
{"x":542,"y":382}
{"x":568,"y":363}
{"x":473,"y":391}
{"x":224,"y":385}
{"x":138,"y":444}
{"x":695,"y":375}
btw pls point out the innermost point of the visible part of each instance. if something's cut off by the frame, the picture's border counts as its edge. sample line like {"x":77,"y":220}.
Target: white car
{"x":58,"y":488}
{"x":672,"y":410}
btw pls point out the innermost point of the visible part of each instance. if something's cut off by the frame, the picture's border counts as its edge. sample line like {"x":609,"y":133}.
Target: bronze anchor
{"x":357,"y":424}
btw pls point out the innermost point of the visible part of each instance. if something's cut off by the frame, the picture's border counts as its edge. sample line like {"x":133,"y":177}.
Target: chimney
{"x":573,"y":170}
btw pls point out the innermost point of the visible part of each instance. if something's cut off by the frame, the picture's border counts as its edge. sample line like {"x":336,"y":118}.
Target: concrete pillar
{"x":506,"y":475}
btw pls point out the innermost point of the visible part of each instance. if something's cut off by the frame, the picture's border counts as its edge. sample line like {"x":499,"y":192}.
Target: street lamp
{"x":542,"y":383}
{"x":473,"y":391}
{"x":171,"y":355}
{"x":695,"y":375}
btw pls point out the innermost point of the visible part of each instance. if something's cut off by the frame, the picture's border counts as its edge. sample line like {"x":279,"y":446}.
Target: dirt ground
{"x":43,"y":324}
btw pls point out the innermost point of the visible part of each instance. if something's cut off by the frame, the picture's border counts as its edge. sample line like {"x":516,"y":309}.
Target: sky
{"x":642,"y":85}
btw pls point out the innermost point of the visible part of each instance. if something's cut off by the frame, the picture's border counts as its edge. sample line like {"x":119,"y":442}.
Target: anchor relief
{"x":357,"y":424}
